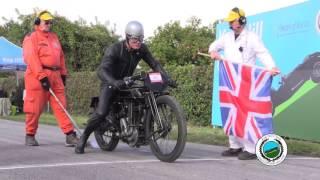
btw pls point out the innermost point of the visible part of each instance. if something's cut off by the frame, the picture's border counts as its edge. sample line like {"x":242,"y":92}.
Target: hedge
{"x":194,"y":91}
{"x":81,"y":86}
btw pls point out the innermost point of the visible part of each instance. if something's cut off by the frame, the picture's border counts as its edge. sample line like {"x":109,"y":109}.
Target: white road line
{"x":125,"y":162}
{"x":303,"y":158}
{"x":71,"y":164}
{"x":96,"y":163}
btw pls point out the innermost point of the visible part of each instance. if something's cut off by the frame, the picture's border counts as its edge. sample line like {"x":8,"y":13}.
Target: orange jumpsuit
{"x":43,"y":49}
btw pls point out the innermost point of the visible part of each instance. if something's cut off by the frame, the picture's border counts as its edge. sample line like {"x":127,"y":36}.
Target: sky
{"x":151,"y":13}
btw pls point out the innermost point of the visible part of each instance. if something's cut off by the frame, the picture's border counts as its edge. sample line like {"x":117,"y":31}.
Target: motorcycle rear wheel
{"x":106,"y":139}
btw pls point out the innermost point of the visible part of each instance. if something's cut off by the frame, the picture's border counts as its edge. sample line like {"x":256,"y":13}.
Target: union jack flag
{"x":246,"y":108}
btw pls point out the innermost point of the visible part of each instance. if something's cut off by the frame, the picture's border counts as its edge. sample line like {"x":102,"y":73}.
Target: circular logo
{"x":271,"y":149}
{"x":318,"y":22}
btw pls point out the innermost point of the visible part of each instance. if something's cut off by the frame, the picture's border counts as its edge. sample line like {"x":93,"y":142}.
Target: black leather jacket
{"x":119,"y":62}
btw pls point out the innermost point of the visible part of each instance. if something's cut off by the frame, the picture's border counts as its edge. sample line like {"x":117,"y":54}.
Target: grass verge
{"x":47,"y":118}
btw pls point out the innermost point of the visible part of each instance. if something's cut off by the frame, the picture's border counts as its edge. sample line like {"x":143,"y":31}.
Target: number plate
{"x":155,"y":77}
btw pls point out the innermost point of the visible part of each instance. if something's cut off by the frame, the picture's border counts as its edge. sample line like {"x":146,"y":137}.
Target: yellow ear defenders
{"x":38,"y":20}
{"x":242,"y":19}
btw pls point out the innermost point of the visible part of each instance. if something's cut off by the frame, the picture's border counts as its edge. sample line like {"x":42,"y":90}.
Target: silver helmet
{"x":134,"y":29}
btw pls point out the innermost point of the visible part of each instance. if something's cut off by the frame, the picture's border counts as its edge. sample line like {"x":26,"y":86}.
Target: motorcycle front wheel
{"x":167,"y":137}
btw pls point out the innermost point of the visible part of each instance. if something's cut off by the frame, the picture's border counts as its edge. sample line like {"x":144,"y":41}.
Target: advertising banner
{"x":292,"y":36}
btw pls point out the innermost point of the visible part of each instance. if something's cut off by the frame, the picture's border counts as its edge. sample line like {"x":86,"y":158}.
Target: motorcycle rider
{"x":119,"y":61}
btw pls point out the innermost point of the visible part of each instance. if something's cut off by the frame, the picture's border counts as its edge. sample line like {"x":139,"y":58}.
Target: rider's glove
{"x":128,"y":81}
{"x":172,"y":83}
{"x":119,"y":84}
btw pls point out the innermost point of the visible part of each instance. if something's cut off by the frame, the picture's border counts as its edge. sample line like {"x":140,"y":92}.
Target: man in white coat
{"x":241,"y":46}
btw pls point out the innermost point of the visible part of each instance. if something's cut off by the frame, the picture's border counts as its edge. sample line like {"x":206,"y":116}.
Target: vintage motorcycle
{"x":145,"y":114}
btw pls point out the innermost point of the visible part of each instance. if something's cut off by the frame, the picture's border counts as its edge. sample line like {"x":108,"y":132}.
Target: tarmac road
{"x":52,"y":161}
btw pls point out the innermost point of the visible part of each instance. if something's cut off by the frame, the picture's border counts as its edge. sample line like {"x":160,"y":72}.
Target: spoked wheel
{"x":106,"y":138}
{"x":167,"y":137}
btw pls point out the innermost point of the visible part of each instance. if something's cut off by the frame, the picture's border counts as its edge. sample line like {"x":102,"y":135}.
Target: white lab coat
{"x":251,"y":45}
{"x":246,"y":49}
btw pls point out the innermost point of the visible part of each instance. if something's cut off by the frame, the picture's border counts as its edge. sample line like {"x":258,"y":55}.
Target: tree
{"x":174,"y":44}
{"x":83,"y":44}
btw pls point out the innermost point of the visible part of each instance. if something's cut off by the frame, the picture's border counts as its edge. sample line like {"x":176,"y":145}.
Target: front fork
{"x":154,"y":110}
{"x":162,"y":128}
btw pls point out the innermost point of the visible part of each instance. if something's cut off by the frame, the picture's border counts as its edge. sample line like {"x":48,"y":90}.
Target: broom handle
{"x":69,"y":116}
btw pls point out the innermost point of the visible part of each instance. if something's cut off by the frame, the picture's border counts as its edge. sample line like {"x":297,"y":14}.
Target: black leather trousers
{"x":105,"y":100}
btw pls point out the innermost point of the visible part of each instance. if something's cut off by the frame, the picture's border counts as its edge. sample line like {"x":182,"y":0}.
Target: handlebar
{"x":129,"y":81}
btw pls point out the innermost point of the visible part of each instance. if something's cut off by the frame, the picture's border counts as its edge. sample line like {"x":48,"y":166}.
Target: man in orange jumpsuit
{"x":46,"y":69}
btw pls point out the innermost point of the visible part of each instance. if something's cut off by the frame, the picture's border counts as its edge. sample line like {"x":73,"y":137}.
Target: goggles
{"x":135,"y":39}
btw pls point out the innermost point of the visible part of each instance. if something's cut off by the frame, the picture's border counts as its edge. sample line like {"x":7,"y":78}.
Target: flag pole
{"x":222,"y":59}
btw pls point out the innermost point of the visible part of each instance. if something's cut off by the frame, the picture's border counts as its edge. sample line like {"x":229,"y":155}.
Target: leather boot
{"x":31,"y":141}
{"x":93,"y":123}
{"x":81,"y":143}
{"x":231,"y":152}
{"x":245,"y":155}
